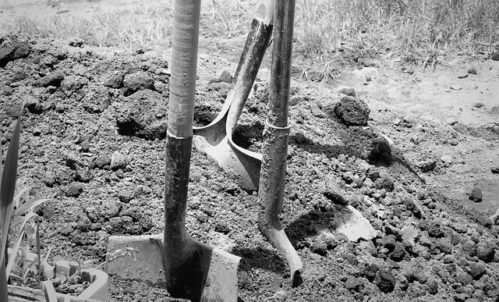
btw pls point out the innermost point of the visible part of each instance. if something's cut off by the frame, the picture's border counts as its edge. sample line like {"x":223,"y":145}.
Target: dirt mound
{"x":84,"y":106}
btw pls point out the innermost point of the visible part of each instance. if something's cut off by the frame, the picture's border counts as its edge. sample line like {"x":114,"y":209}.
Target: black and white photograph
{"x":249,"y":150}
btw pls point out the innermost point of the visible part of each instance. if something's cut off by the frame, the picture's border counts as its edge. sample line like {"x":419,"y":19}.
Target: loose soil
{"x":93,"y":142}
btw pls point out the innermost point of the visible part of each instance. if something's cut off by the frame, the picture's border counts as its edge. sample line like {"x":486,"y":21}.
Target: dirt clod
{"x":74,"y":190}
{"x":348,"y":91}
{"x":72,"y":129}
{"x":476,"y":194}
{"x":135,"y":82}
{"x":476,"y":270}
{"x":118,"y":160}
{"x":52,"y":79}
{"x":352,"y":111}
{"x":101,"y":161}
{"x":485,"y":251}
{"x":385,"y":280}
{"x":13,"y":48}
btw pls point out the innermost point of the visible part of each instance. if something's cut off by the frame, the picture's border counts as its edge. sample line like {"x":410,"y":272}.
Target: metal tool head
{"x":214,"y":141}
{"x":203,"y":273}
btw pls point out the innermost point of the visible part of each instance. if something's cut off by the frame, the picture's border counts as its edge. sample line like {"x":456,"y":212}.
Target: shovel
{"x":215,"y":139}
{"x":193,"y":270}
{"x":275,"y":140}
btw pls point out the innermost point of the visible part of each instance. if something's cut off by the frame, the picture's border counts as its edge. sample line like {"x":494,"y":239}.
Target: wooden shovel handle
{"x":281,"y":62}
{"x":249,"y":64}
{"x":184,"y":64}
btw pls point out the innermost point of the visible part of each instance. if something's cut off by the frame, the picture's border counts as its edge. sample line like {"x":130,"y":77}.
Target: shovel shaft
{"x":180,"y":116}
{"x":3,"y":283}
{"x":178,"y":249}
{"x":178,"y":155}
{"x":276,"y":133}
{"x":281,"y":62}
{"x":251,"y":58}
{"x":184,"y":64}
{"x":273,"y":173}
{"x":275,"y":140}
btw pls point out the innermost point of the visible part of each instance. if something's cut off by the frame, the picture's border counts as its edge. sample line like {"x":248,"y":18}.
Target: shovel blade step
{"x":145,"y":263}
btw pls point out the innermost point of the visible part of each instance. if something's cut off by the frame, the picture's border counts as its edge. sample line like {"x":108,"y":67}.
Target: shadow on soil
{"x":331,"y":151}
{"x":261,"y":258}
{"x":308,"y":225}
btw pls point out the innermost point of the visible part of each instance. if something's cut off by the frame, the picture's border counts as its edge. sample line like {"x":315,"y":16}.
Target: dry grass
{"x":142,"y":26}
{"x":418,"y":30}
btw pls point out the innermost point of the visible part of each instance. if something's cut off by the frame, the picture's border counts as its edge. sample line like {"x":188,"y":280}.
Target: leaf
{"x":18,"y":195}
{"x":4,"y":294}
{"x":8,"y":185}
{"x":1,"y":156}
{"x":24,"y":208}
{"x":15,"y":249}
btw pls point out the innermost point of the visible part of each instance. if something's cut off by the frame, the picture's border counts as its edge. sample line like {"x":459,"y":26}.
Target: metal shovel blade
{"x":209,"y":275}
{"x":215,"y":139}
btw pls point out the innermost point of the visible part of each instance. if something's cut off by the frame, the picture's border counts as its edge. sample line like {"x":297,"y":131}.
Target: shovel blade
{"x":221,"y":282}
{"x":243,"y":166}
{"x":144,"y":262}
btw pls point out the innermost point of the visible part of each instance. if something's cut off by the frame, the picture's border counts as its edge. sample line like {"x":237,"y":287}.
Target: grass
{"x":13,"y":202}
{"x":8,"y":175}
{"x":150,"y":23}
{"x":419,"y":31}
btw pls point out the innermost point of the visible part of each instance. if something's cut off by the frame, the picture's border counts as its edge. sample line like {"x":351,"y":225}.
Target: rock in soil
{"x":118,"y":160}
{"x":472,"y":70}
{"x":352,"y":111}
{"x":142,"y":116}
{"x":52,"y":79}
{"x":13,"y":48}
{"x":381,"y":152}
{"x":476,"y":194}
{"x":136,"y":81}
{"x":225,"y":77}
{"x":485,"y":251}
{"x":279,"y":296}
{"x":114,"y":79}
{"x":385,"y":281}
{"x":73,"y":127}
{"x":427,"y":165}
{"x":354,"y":284}
{"x":101,"y":161}
{"x":333,"y":192}
{"x":74,"y":190}
{"x":348,"y":91}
